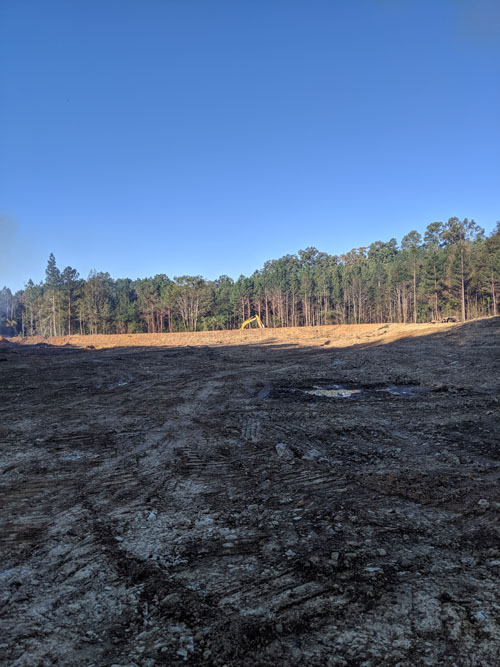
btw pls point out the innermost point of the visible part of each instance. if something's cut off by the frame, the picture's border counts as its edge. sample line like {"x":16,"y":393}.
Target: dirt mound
{"x":328,"y":336}
{"x":4,"y":342}
{"x":31,"y":340}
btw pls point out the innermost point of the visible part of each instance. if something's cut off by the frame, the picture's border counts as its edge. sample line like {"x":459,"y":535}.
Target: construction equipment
{"x":255,"y":318}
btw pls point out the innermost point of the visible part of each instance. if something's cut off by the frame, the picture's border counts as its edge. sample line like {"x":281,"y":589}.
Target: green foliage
{"x":453,"y":271}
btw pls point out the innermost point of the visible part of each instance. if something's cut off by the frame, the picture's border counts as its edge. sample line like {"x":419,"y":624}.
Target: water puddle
{"x":117,"y":385}
{"x":71,"y":457}
{"x":352,"y":391}
{"x":336,"y":392}
{"x":78,"y":456}
{"x":264,"y":392}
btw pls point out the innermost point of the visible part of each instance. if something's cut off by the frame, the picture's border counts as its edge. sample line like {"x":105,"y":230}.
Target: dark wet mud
{"x":210,"y":506}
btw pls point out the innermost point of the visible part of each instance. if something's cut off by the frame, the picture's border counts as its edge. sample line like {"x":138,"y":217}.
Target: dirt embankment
{"x":335,"y":336}
{"x":324,"y":496}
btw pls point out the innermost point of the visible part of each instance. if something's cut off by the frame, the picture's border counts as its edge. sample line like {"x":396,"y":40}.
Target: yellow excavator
{"x":255,"y":318}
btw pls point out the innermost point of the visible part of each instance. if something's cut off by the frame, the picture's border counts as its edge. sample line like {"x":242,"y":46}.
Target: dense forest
{"x":453,"y":270}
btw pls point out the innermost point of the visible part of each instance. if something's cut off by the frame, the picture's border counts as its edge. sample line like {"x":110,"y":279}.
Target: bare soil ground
{"x":323,"y":496}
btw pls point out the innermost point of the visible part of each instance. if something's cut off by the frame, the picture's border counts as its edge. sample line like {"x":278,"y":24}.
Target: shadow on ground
{"x":202,"y":505}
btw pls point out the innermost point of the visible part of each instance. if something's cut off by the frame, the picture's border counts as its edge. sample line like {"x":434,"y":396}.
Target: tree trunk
{"x":463,"y":284}
{"x":69,"y":315}
{"x":415,"y":291}
{"x":493,"y":295}
{"x":54,"y":315}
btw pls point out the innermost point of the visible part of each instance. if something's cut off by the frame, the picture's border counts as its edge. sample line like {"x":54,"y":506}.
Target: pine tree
{"x":53,"y":283}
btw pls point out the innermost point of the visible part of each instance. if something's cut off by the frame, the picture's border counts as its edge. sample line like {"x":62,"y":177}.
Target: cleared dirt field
{"x":321,"y":496}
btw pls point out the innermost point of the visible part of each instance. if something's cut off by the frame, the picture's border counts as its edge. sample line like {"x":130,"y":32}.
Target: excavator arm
{"x":255,"y":318}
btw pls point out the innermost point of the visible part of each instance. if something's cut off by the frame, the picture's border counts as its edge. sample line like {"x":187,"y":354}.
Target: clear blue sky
{"x":204,"y":137}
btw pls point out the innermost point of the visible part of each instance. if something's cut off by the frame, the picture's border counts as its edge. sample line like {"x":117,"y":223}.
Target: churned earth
{"x":320,"y":496}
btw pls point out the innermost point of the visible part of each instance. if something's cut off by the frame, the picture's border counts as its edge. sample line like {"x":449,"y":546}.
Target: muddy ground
{"x":324,"y":497}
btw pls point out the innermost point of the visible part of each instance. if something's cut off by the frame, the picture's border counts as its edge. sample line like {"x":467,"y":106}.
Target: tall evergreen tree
{"x":412,"y":244}
{"x":457,"y":235}
{"x":53,"y":284}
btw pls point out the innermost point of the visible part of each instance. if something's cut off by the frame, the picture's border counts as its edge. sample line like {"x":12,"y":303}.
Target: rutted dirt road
{"x":324,"y":496}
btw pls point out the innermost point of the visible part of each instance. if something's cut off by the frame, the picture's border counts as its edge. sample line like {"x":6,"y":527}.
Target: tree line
{"x":453,"y":270}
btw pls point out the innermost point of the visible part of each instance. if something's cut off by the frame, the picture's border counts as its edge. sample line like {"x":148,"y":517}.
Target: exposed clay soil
{"x":252,"y":498}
